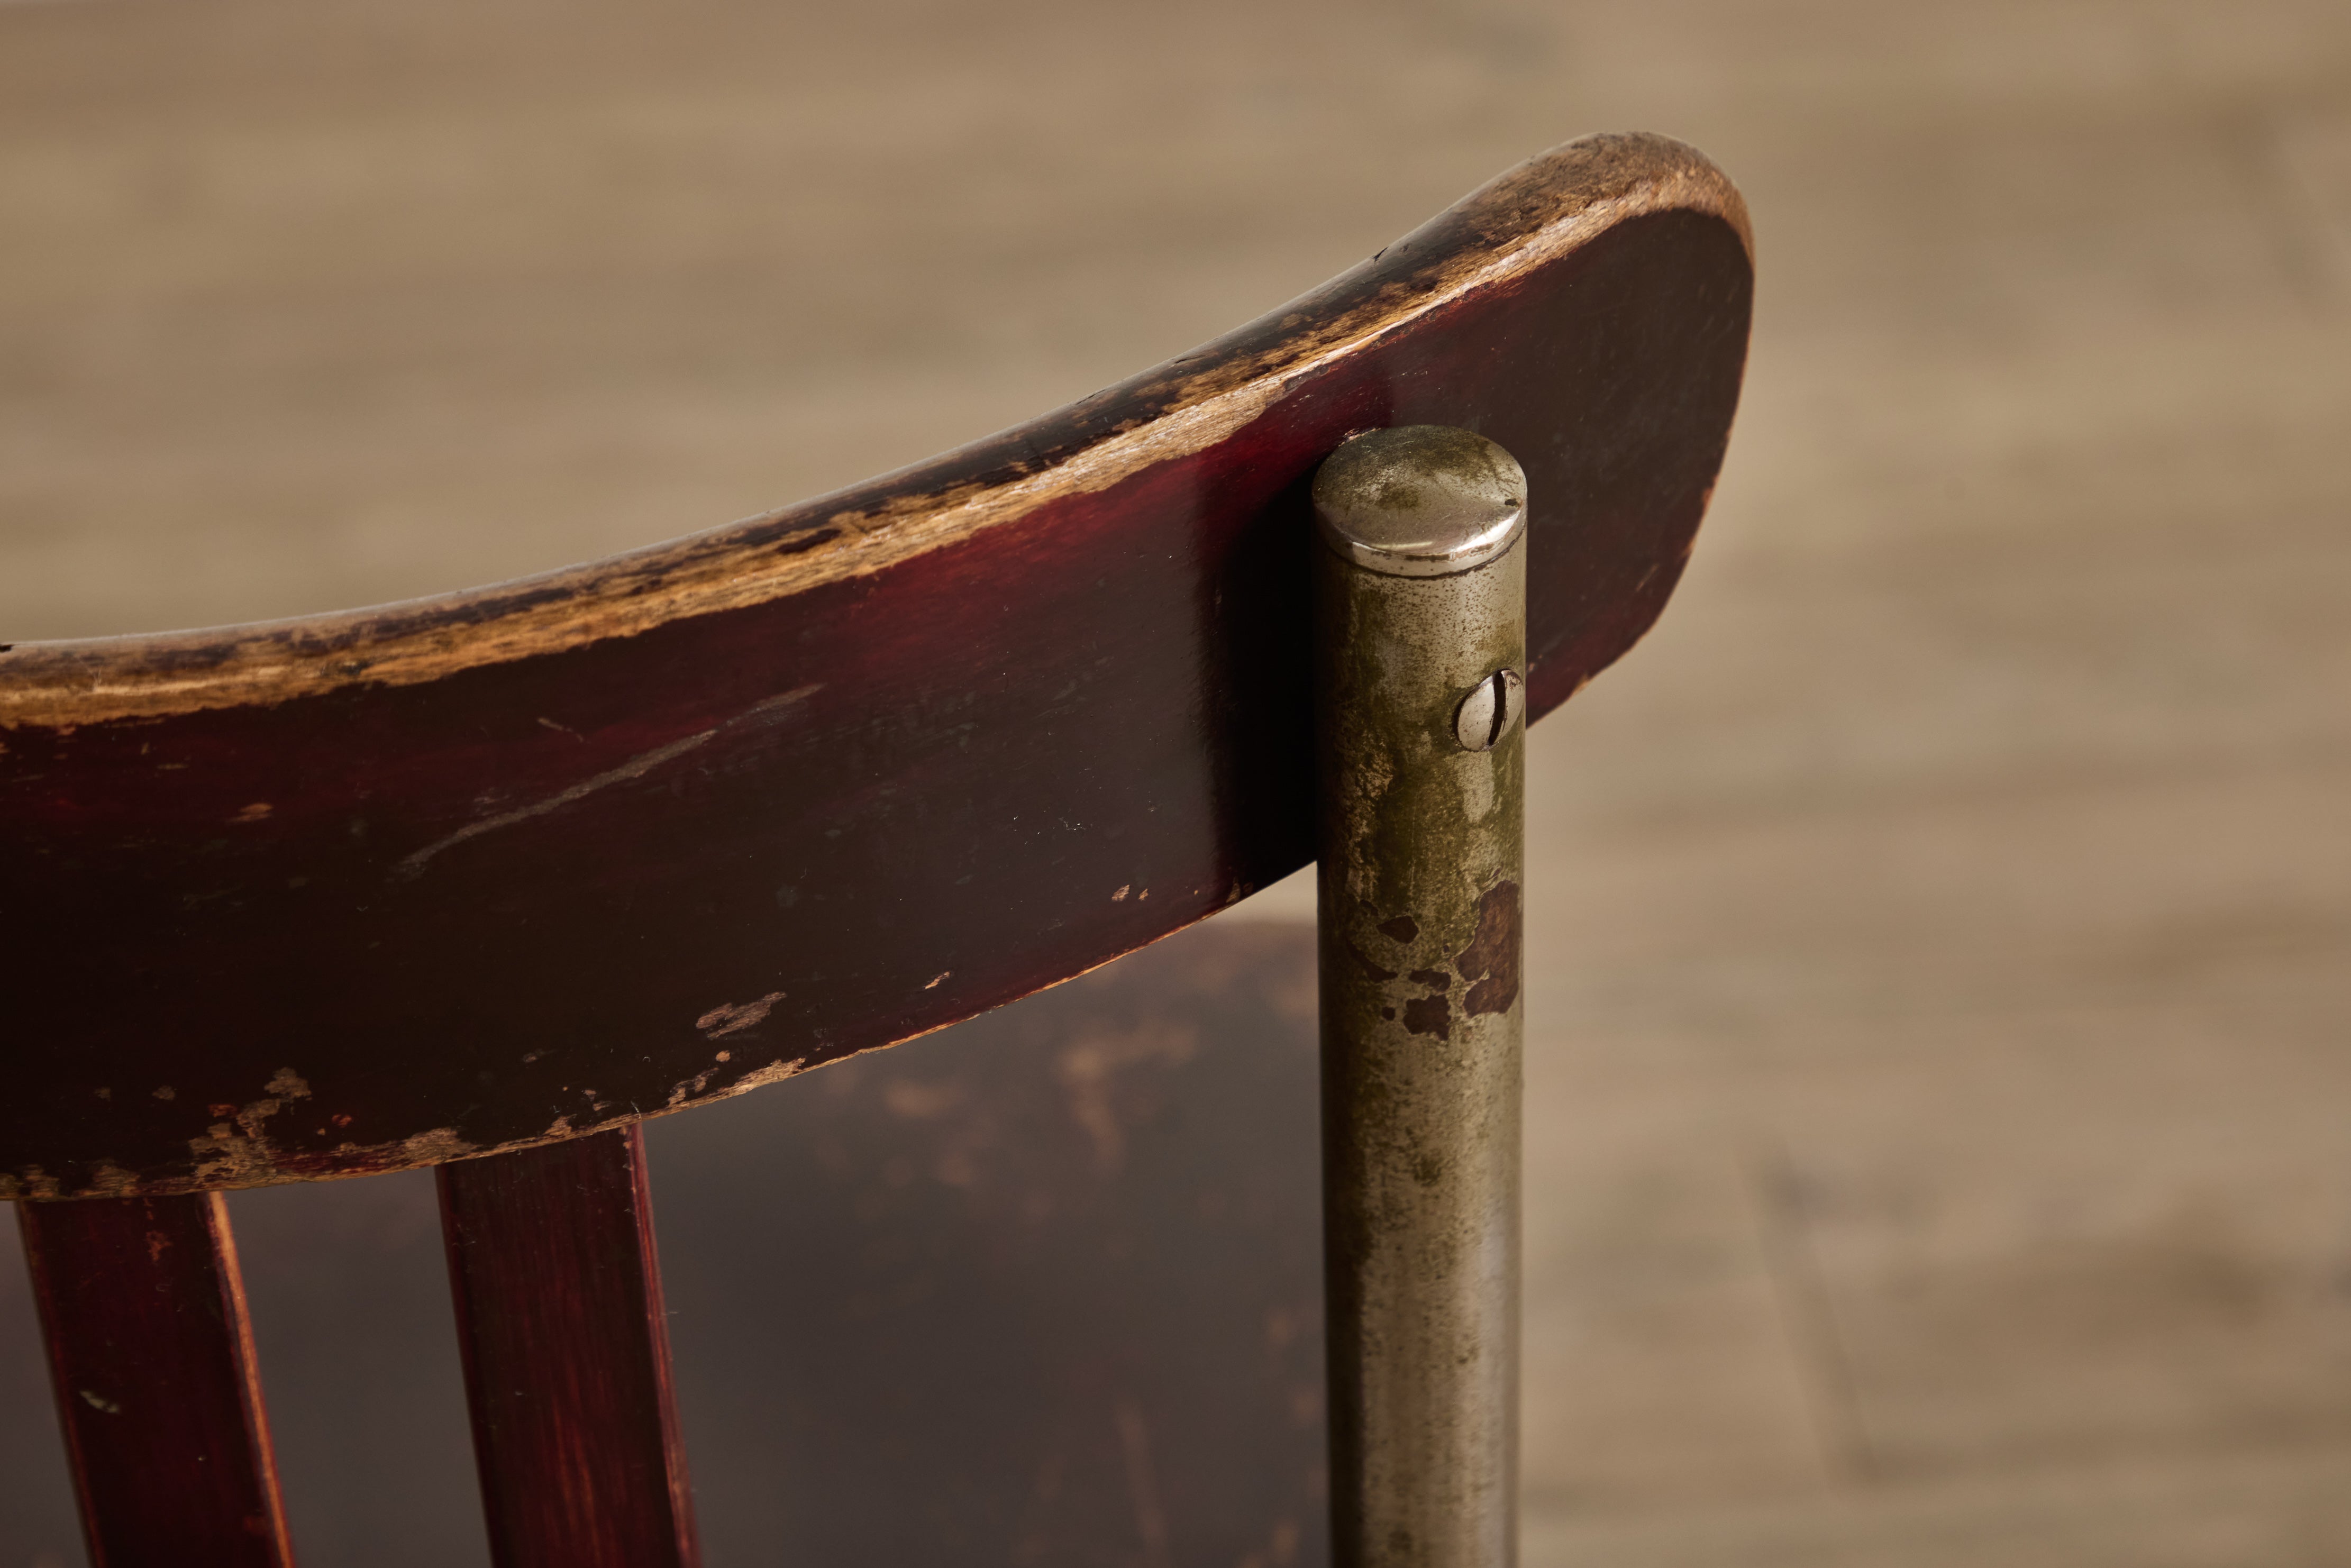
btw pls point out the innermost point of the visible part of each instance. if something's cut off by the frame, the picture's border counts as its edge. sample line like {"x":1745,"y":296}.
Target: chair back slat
{"x":709,"y":814}
{"x":151,"y":1356}
{"x":566,"y":1357}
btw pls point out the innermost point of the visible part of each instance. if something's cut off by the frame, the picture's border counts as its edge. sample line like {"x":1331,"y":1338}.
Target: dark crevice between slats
{"x":559,"y":1317}
{"x":151,"y":1356}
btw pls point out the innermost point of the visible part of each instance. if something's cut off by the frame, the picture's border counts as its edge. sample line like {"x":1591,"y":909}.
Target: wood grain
{"x":152,"y":1357}
{"x":364,"y":891}
{"x":560,"y":1318}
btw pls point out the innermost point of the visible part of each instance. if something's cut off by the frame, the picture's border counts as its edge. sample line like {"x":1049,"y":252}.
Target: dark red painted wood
{"x":305,"y":911}
{"x":559,"y":1317}
{"x":152,"y":1360}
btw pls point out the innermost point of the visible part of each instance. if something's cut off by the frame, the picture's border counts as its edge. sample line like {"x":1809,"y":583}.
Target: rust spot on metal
{"x":1435,"y":979}
{"x":1403,"y":928}
{"x":1371,"y":970}
{"x":1491,"y":960}
{"x":1430,"y":1015}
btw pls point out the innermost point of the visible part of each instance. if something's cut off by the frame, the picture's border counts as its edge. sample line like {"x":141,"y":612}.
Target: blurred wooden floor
{"x":1937,"y":1108}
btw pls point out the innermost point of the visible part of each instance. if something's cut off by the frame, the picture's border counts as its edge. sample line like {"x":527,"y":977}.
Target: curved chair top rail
{"x":384,"y":888}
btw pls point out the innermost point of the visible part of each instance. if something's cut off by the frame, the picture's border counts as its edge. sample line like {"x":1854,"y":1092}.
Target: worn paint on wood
{"x":369,"y":891}
{"x":559,"y":1320}
{"x":152,"y":1357}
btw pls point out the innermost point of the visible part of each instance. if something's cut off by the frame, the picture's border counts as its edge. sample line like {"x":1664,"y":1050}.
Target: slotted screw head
{"x":1486,"y":714}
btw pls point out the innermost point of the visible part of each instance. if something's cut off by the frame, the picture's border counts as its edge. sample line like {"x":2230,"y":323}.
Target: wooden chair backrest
{"x":502,"y":872}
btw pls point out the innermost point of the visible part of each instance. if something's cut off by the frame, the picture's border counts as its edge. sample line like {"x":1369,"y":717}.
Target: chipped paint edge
{"x":1601,"y":183}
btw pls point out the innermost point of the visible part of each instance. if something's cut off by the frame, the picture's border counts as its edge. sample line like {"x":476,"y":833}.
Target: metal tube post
{"x":1420,"y":634}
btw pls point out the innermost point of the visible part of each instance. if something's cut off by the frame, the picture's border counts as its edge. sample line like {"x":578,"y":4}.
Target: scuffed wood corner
{"x":1544,"y":208}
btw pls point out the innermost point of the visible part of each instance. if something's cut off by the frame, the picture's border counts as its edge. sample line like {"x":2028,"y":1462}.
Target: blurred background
{"x":1940,"y":1106}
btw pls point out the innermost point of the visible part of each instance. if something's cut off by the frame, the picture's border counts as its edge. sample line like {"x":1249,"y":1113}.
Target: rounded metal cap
{"x":1420,"y":500}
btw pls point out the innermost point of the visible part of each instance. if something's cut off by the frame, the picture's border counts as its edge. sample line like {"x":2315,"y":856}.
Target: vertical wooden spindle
{"x":151,"y":1356}
{"x":559,"y":1317}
